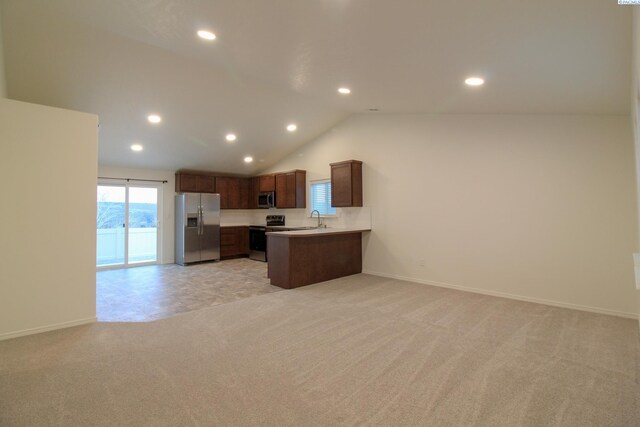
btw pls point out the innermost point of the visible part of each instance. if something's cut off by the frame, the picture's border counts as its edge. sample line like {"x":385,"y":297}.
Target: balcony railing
{"x":143,"y":245}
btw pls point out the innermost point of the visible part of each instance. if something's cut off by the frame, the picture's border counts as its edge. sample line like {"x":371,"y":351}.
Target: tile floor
{"x":149,"y":293}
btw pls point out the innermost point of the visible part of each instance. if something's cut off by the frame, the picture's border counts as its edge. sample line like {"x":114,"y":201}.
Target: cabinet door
{"x":228,"y":242}
{"x":243,"y":240}
{"x":290,"y":194}
{"x":267,"y":183}
{"x":206,"y":184}
{"x":186,"y":183}
{"x":234,"y":193}
{"x":346,"y":183}
{"x":291,"y":190}
{"x":341,"y":185}
{"x":243,"y":202}
{"x":281,"y":191}
{"x":234,"y":241}
{"x":301,"y":189}
{"x":222,"y":187}
{"x":228,"y":236}
{"x":254,"y":189}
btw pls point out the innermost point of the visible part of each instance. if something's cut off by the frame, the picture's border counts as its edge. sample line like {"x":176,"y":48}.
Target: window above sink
{"x":321,"y":198}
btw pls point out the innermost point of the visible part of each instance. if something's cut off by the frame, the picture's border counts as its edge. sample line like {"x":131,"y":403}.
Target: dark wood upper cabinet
{"x":233,"y":195}
{"x":301,"y":189}
{"x":291,"y":189}
{"x":254,"y":190}
{"x":346,"y":184}
{"x":234,"y":192}
{"x":192,"y":182}
{"x":281,"y":191}
{"x":186,"y":183}
{"x":267,"y":183}
{"x":206,"y":184}
{"x":222,"y":188}
{"x":242,"y":193}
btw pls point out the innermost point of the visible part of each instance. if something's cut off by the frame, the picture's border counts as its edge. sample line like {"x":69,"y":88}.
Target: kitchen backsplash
{"x":346,"y":217}
{"x":240,"y":217}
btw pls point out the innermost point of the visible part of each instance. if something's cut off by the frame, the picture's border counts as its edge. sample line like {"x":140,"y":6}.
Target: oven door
{"x":257,"y":243}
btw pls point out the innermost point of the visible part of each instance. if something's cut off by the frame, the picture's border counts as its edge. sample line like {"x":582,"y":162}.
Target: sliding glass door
{"x":143,"y":225}
{"x":127,"y":225}
{"x":111,"y":225}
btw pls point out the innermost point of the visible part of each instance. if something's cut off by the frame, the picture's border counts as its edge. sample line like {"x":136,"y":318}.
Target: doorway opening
{"x":127,"y":225}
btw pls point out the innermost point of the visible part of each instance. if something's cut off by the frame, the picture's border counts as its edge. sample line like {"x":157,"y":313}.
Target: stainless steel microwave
{"x":267,"y":200}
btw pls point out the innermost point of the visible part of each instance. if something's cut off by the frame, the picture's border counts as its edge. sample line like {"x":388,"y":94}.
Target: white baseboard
{"x":31,"y":331}
{"x":505,"y":295}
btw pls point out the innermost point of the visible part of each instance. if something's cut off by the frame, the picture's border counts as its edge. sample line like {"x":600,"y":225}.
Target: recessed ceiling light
{"x":231,"y":137}
{"x":136,"y":147}
{"x":207,"y":35}
{"x":292,"y":127}
{"x":344,"y":90}
{"x":154,"y":118}
{"x":248,"y":159}
{"x":474,"y":81}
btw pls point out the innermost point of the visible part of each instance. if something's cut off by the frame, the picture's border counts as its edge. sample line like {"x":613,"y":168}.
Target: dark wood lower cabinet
{"x":299,"y":260}
{"x":234,"y":242}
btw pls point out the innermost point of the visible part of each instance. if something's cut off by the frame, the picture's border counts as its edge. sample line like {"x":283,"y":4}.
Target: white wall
{"x":536,"y":207}
{"x":168,"y":192}
{"x":48,"y":164}
{"x":3,"y":81}
{"x":635,"y":115}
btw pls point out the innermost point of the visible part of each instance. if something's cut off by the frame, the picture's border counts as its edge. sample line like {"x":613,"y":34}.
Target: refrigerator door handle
{"x":200,"y":221}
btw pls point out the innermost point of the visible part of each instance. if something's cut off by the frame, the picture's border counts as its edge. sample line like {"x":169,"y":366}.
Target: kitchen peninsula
{"x":303,"y":257}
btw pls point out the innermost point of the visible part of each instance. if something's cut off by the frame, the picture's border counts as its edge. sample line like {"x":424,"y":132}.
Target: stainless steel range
{"x":258,"y":239}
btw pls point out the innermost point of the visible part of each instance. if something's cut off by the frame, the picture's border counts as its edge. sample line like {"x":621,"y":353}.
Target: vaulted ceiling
{"x":276,"y":62}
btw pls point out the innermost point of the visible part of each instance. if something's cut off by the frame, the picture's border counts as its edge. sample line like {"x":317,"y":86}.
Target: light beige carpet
{"x":355,"y":351}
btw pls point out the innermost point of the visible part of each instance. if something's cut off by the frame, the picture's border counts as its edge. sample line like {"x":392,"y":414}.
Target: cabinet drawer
{"x":228,"y":239}
{"x":234,"y":241}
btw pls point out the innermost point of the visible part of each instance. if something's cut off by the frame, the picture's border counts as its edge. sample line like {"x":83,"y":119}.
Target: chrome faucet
{"x":315,"y":210}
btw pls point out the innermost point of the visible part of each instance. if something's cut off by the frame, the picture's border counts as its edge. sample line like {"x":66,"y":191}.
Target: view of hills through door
{"x":127,"y":225}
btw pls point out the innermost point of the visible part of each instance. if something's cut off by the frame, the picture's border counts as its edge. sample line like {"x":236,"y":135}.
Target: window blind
{"x":321,"y":197}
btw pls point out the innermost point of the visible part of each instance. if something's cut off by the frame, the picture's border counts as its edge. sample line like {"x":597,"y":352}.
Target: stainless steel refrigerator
{"x":197,"y":227}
